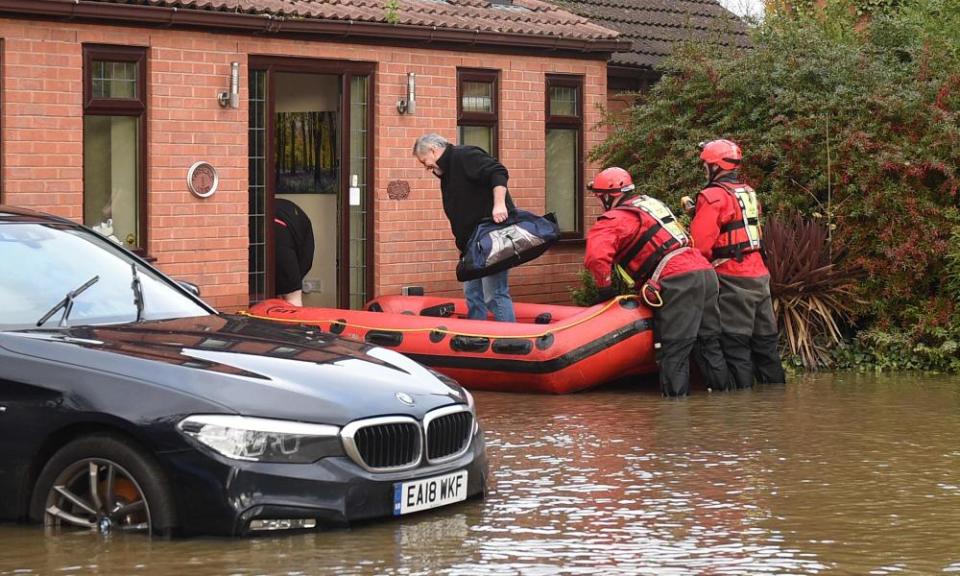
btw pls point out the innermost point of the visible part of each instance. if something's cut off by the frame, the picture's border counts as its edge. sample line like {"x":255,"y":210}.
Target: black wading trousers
{"x":750,"y":335}
{"x":689,"y":321}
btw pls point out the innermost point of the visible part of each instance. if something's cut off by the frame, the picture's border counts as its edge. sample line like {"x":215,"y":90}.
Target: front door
{"x":309,"y":143}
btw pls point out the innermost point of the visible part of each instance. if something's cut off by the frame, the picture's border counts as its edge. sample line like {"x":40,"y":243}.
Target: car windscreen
{"x":40,"y":264}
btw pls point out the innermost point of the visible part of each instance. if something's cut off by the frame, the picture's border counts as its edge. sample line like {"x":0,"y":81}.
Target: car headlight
{"x":262,"y":439}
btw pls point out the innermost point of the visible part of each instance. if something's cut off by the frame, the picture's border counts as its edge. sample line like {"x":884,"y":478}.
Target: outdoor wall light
{"x":408,"y":105}
{"x":231,"y":97}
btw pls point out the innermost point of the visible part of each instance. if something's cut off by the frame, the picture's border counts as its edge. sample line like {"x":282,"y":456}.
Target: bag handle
{"x":489,"y":220}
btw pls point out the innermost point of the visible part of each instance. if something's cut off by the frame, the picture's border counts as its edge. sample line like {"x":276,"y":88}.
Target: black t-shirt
{"x":467,"y":183}
{"x":293,"y":240}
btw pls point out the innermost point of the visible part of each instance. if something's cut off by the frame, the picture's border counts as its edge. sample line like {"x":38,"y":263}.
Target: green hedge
{"x":859,"y":129}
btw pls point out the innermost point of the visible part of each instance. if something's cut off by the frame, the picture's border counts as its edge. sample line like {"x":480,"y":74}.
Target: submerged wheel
{"x":103,"y":483}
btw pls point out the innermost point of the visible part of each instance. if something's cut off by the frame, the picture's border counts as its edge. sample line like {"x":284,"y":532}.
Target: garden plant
{"x":849,"y":116}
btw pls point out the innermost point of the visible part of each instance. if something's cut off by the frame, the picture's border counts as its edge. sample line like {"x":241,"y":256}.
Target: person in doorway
{"x":293,"y":242}
{"x":473,"y":185}
{"x":726,"y":229}
{"x":638,"y":241}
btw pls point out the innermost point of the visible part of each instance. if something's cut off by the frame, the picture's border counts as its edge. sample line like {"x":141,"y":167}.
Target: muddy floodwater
{"x":832,"y":474}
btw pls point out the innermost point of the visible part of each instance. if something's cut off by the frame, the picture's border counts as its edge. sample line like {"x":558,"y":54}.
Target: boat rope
{"x":441,"y":330}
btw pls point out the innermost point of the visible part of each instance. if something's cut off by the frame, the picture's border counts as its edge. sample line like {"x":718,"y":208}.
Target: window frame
{"x":100,"y":106}
{"x":559,"y":121}
{"x":480,"y":119}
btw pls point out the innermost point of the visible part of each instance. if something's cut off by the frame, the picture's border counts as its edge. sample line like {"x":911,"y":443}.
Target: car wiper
{"x":137,"y":288}
{"x":67,"y":303}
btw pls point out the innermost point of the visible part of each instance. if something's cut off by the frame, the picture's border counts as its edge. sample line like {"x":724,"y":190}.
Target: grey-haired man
{"x":474,"y":186}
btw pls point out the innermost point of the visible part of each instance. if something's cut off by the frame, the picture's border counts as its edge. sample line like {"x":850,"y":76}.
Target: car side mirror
{"x":189,"y":287}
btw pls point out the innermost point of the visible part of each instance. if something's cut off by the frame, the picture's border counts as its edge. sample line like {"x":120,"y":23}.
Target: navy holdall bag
{"x":495,"y":247}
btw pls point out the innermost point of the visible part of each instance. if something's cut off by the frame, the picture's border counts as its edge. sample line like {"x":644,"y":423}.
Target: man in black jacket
{"x":474,"y":186}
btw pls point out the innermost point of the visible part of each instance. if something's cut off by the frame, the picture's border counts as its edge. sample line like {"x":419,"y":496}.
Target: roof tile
{"x":531,"y":17}
{"x":655,"y":26}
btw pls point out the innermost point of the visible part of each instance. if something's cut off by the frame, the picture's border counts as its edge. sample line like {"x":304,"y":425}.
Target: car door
{"x":28,"y":411}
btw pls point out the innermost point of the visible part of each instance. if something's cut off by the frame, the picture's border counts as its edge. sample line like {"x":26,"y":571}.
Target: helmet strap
{"x":607,"y":201}
{"x":720,"y":175}
{"x":716,"y":173}
{"x":712,"y":171}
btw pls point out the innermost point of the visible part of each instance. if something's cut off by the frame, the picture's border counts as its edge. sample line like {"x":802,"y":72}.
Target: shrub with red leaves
{"x":812,"y":294}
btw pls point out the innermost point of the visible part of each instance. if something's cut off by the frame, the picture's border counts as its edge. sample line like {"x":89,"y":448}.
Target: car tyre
{"x":131,"y":495}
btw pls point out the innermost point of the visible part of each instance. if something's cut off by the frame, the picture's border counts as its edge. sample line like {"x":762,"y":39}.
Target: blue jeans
{"x":489,"y":293}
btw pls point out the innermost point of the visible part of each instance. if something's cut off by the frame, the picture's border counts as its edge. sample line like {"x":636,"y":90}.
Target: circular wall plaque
{"x":202,"y":179}
{"x":398,"y":190}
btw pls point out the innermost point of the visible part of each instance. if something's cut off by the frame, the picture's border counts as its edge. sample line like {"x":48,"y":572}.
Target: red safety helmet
{"x":722,"y":153}
{"x":610,"y":185}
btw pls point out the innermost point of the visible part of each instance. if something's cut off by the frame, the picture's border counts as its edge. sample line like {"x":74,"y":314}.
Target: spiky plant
{"x":812,"y":294}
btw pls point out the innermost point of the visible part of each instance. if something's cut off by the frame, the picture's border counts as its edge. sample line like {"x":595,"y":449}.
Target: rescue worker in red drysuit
{"x":726,"y":229}
{"x":639,"y":241}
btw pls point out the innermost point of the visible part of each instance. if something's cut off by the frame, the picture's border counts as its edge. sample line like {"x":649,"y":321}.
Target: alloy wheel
{"x":98,"y":495}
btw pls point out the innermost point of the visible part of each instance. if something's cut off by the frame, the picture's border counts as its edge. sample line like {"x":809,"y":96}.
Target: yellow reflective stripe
{"x":660,"y":212}
{"x":677,"y":231}
{"x":749,"y":210}
{"x":625,"y":276}
{"x":655,"y":208}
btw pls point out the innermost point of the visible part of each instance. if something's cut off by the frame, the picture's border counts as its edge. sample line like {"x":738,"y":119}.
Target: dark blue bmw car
{"x":128,"y":404}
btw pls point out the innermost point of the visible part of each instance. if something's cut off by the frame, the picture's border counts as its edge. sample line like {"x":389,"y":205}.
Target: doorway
{"x":310,"y":143}
{"x":306,"y":169}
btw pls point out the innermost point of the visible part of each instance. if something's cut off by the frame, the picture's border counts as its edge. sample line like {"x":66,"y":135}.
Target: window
{"x":564,"y":169}
{"x":114,"y":143}
{"x":477,"y":108}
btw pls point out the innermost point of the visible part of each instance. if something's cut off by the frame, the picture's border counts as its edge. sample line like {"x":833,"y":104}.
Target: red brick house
{"x":108,"y":106}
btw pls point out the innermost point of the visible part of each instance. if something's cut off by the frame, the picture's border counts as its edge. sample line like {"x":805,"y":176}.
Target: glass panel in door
{"x":257,"y":185}
{"x":357,"y":201}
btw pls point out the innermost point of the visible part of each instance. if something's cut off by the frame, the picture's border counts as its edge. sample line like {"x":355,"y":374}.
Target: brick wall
{"x":205,"y":240}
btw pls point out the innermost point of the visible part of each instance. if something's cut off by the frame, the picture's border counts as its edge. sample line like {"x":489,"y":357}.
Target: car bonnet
{"x":252,"y":367}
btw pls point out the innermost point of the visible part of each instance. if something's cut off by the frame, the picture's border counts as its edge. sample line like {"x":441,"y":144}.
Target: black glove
{"x":604,"y":294}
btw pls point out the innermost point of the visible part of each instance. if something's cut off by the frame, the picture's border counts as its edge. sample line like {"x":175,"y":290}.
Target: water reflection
{"x":832,"y":474}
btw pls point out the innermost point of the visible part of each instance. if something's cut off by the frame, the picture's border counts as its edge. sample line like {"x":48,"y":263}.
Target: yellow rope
{"x":606,"y":307}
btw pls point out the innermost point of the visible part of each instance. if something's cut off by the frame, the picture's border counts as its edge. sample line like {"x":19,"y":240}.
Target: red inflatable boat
{"x":553,"y":349}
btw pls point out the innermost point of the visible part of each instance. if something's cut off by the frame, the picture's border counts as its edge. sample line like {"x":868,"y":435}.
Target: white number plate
{"x":429,"y":493}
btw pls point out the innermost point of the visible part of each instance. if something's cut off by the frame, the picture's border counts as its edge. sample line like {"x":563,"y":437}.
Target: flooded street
{"x":833,"y":474}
